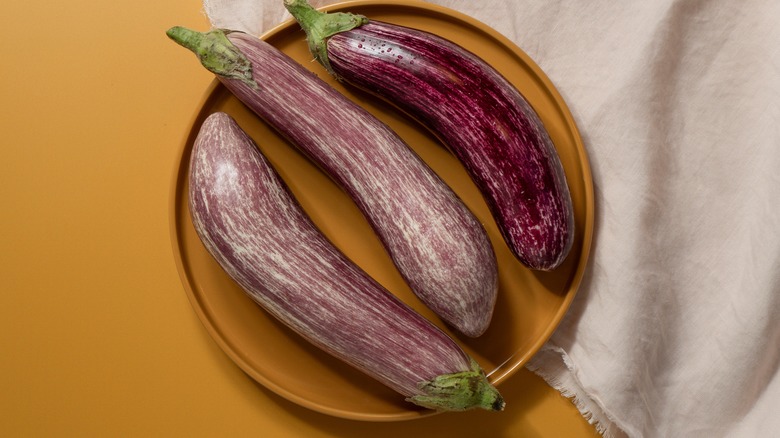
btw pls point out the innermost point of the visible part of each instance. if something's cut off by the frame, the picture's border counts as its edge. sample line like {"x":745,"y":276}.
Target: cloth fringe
{"x":555,"y":367}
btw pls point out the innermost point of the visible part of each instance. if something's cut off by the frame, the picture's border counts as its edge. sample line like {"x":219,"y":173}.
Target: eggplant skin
{"x":476,"y":113}
{"x":440,"y":248}
{"x":255,"y":229}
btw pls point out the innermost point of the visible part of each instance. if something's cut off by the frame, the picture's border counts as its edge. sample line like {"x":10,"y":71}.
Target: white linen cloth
{"x":676,"y":329}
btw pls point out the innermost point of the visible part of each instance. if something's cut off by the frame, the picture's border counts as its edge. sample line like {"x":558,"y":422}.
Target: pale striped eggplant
{"x":249,"y":221}
{"x":438,"y":245}
{"x":478,"y":115}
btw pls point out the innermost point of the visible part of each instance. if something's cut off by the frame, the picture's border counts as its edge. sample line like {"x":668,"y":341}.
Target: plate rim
{"x":501,"y":373}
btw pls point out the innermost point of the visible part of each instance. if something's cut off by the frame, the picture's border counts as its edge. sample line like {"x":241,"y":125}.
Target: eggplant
{"x":475,"y":112}
{"x":251,"y":224}
{"x":438,"y":245}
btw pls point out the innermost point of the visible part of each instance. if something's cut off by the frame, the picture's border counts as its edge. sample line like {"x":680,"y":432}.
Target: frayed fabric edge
{"x":556,"y":368}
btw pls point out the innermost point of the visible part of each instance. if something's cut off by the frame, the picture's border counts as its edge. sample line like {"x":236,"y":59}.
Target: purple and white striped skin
{"x":478,"y":115}
{"x":251,"y":224}
{"x":438,"y":245}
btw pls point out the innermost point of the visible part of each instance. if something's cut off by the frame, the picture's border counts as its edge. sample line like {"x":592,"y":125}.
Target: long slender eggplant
{"x":249,"y":221}
{"x":438,"y":245}
{"x":478,"y":115}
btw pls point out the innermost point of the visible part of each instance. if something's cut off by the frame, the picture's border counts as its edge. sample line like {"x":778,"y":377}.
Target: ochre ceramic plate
{"x":530,"y":304}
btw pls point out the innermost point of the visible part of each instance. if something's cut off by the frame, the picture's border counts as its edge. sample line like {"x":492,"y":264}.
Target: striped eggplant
{"x":438,"y":245}
{"x":481,"y":118}
{"x":249,"y":221}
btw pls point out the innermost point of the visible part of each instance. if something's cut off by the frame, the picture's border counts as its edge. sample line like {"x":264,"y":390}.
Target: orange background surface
{"x":97,"y":335}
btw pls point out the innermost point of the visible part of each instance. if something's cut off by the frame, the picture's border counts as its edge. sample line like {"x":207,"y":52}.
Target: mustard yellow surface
{"x":97,"y":336}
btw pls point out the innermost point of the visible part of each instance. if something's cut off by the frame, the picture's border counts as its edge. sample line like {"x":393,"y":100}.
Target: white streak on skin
{"x":435,"y":241}
{"x":251,"y":224}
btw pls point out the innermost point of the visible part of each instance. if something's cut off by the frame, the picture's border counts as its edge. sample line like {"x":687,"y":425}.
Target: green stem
{"x":459,"y":392}
{"x":319,"y":26}
{"x":215,"y":52}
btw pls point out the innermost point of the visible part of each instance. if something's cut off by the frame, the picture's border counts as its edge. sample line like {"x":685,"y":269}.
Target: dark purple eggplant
{"x":249,"y":221}
{"x":478,"y":115}
{"x":438,"y":245}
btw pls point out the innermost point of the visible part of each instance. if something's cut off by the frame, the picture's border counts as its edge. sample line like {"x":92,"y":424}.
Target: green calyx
{"x":459,"y":392}
{"x":215,"y":52}
{"x":319,"y":26}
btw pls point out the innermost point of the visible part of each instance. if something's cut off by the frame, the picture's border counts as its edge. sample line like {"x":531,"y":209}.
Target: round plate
{"x":530,"y":304}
